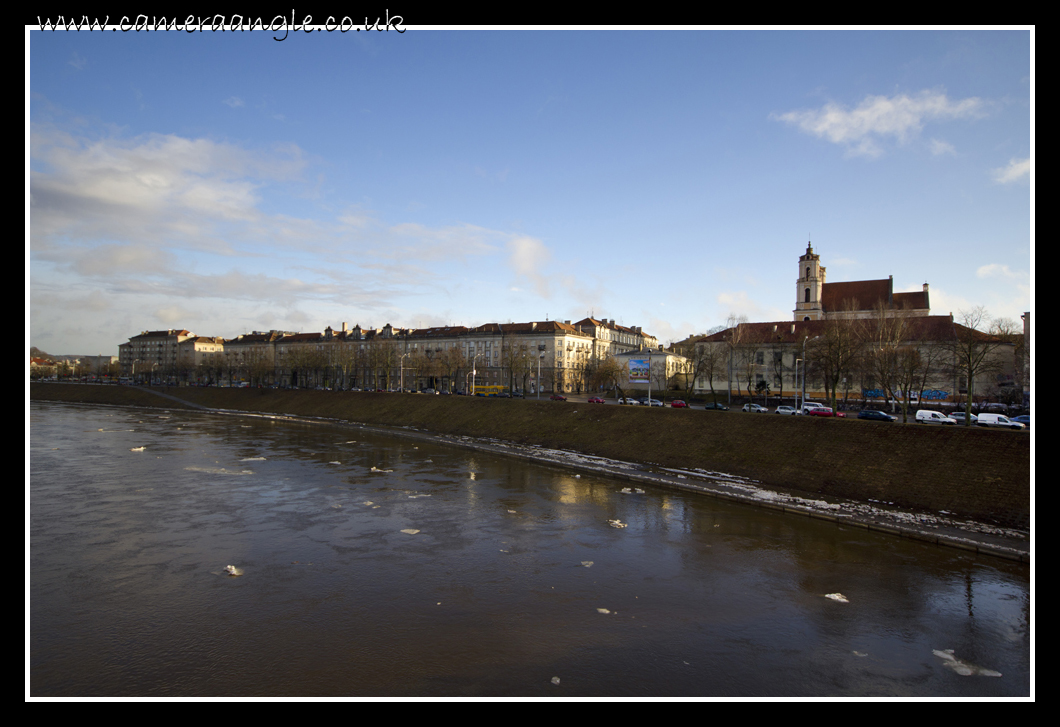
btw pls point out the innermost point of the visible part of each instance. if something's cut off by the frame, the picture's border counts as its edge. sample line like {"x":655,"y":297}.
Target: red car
{"x":595,"y":400}
{"x":678,"y":404}
{"x":825,"y":411}
{"x":557,"y":397}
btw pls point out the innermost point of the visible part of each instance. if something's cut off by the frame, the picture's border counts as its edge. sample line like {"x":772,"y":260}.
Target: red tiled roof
{"x":867,"y":294}
{"x":919,"y":328}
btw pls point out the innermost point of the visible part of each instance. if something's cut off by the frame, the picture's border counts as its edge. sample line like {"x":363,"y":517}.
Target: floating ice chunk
{"x":626,"y":490}
{"x":137,"y":449}
{"x":963,"y":667}
{"x":336,"y":505}
{"x":602,"y":610}
{"x":422,"y":494}
{"x":335,"y":462}
{"x":369,"y":503}
{"x":512,"y":512}
{"x":233,"y":571}
{"x":555,"y":680}
{"x":587,"y":563}
{"x":410,"y":531}
{"x":837,"y":597}
{"x":617,"y":523}
{"x":858,"y":653}
{"x":376,"y":469}
{"x":252,"y":459}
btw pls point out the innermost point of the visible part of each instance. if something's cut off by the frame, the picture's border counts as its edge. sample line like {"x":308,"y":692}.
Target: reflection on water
{"x":380,"y":566}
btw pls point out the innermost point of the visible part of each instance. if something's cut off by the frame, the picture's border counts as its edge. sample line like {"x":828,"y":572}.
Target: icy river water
{"x":366,"y":564}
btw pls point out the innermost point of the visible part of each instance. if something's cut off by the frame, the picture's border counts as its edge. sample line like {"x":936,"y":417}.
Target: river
{"x":377,"y":565}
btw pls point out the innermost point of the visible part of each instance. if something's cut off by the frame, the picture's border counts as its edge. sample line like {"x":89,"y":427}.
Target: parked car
{"x":959,"y":417}
{"x":631,"y":402}
{"x":789,"y":410}
{"x":678,"y":404}
{"x":755,"y":409}
{"x":715,"y":405}
{"x":877,"y":416}
{"x":654,"y":402}
{"x":998,"y":420}
{"x":595,"y":400}
{"x":926,"y":416}
{"x":824,"y":411}
{"x":1024,"y":419}
{"x":808,"y":405}
{"x":558,"y":397}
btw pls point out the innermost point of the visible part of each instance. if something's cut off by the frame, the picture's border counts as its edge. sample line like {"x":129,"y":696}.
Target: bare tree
{"x":836,"y":350}
{"x":976,"y":352}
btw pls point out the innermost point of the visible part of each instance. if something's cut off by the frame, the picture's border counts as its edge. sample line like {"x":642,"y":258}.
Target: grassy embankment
{"x":975,"y":473}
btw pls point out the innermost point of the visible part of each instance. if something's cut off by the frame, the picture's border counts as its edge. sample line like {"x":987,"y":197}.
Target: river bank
{"x":956,"y":486}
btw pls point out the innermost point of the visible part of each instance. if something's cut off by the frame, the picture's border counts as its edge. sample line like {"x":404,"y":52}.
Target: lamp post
{"x":537,"y":383}
{"x":402,"y":372}
{"x":474,"y":372}
{"x":649,"y":378}
{"x":804,"y":342}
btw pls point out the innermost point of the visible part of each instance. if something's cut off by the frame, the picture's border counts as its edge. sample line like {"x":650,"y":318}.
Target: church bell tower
{"x":809,"y":286}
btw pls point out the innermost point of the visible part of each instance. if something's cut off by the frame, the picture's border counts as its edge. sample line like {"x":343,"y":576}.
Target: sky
{"x":228,"y":182}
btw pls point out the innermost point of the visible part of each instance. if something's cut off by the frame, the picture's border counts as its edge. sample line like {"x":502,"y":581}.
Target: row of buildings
{"x":539,"y":355}
{"x":854,"y":338}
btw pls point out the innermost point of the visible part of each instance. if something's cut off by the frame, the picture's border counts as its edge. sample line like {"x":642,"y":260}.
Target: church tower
{"x":809,"y":286}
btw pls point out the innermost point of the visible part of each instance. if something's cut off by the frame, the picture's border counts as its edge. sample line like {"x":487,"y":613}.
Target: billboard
{"x":638,"y":371}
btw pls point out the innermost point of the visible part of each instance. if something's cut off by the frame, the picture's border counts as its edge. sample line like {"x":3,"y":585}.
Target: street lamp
{"x":804,"y":342}
{"x":402,"y":372}
{"x":537,"y":384}
{"x":474,"y":372}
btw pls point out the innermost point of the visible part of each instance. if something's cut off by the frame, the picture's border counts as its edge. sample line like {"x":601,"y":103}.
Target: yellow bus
{"x":490,"y":389}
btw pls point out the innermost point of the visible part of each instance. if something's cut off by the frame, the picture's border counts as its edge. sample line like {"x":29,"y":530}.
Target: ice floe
{"x":376,"y":469}
{"x":837,"y":597}
{"x":587,"y":563}
{"x":233,"y":571}
{"x":137,"y":449}
{"x":962,"y":667}
{"x":617,"y":523}
{"x":410,"y":531}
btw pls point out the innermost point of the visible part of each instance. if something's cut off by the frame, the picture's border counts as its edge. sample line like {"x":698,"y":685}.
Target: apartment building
{"x":152,"y":354}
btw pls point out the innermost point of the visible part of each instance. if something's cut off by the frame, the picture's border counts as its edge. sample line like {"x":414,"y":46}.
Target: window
{"x":807,"y":295}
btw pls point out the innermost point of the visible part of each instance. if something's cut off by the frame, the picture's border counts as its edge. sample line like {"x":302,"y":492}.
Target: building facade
{"x":152,"y":354}
{"x":525,"y":357}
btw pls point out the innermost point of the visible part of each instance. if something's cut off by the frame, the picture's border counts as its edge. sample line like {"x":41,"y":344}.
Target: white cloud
{"x":1015,"y":170}
{"x":900,"y":117}
{"x":997,"y":270}
{"x":939,"y":147}
{"x":234,"y":101}
{"x":528,"y":257}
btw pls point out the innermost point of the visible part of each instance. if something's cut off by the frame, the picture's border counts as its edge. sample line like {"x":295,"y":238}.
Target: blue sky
{"x":227,"y":182}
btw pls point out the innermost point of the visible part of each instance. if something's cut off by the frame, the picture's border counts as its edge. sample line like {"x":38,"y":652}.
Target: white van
{"x":926,"y":416}
{"x":808,"y":405}
{"x":997,"y":420}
